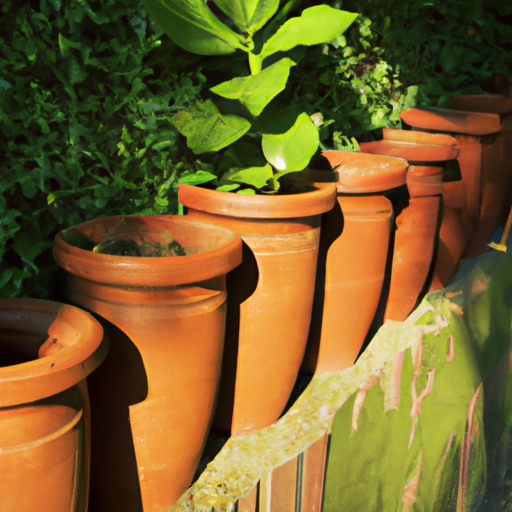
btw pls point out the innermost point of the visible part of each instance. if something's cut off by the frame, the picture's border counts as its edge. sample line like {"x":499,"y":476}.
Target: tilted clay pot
{"x":270,"y":296}
{"x":355,"y":241}
{"x":156,"y":393}
{"x":47,"y":350}
{"x":461,"y":198}
{"x":496,"y":180}
{"x":417,"y":223}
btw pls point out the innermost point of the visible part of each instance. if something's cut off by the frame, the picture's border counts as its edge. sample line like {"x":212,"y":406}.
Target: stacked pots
{"x":496,"y":185}
{"x":355,"y":242}
{"x":417,"y":223}
{"x":473,"y":131}
{"x":46,"y":352}
{"x":270,"y":296}
{"x":155,"y":394}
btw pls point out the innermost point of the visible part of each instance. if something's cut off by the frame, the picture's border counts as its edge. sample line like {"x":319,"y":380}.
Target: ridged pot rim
{"x":287,"y":206}
{"x":219,"y":250}
{"x":488,"y":103}
{"x":452,"y":121}
{"x":363,"y":173}
{"x":73,"y":349}
{"x":411,"y":151}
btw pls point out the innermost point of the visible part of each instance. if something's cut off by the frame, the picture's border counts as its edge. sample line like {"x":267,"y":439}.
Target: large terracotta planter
{"x":472,"y":131}
{"x":154,"y":399}
{"x":496,"y":182}
{"x":355,"y":241}
{"x":417,"y":223}
{"x":46,"y":352}
{"x":270,"y":294}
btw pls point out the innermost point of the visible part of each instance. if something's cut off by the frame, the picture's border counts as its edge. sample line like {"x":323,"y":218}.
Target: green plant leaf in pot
{"x":254,"y":176}
{"x":206,"y":129}
{"x":258,"y":90}
{"x":194,"y":27}
{"x":196,"y":178}
{"x":316,"y":25}
{"x":249,"y":15}
{"x":292,"y":151}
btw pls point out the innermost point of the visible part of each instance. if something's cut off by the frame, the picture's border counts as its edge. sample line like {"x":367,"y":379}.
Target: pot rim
{"x":411,"y":151}
{"x":81,"y":349}
{"x":150,"y":271}
{"x":452,"y":121}
{"x":363,"y":173}
{"x":487,"y":103}
{"x":303,"y":204}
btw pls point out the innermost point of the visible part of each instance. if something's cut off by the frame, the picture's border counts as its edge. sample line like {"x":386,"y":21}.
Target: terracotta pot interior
{"x":20,"y":425}
{"x":154,"y":229}
{"x":17,"y":346}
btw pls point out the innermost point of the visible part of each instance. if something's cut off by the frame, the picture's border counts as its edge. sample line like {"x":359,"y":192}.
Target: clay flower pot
{"x":417,"y":223}
{"x":355,"y":241}
{"x":46,"y":352}
{"x":461,"y":198}
{"x":270,"y":294}
{"x":496,"y":181}
{"x":153,"y":402}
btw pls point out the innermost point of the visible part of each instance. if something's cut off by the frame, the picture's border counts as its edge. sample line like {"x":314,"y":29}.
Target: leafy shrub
{"x":401,"y":54}
{"x":86,"y":93}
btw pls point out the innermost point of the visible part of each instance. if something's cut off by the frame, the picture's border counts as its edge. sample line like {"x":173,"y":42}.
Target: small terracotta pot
{"x":417,"y":223}
{"x":46,"y":352}
{"x":355,"y":241}
{"x":270,"y":294}
{"x":461,"y":198}
{"x":158,"y":389}
{"x":496,"y":180}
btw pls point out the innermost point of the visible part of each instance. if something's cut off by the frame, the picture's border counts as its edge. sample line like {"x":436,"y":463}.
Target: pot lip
{"x":452,"y":121}
{"x":487,"y":103}
{"x":130,"y":271}
{"x":418,"y":137}
{"x":303,"y":204}
{"x":59,"y":370}
{"x":410,"y":151}
{"x":363,"y":173}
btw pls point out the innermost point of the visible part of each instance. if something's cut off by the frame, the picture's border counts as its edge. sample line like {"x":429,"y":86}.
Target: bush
{"x":86,"y":94}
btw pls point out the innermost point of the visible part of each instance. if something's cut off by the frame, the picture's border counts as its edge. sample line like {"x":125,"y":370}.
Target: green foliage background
{"x":86,"y":91}
{"x":87,"y":88}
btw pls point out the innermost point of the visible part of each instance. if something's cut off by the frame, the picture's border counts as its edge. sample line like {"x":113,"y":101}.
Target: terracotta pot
{"x":461,"y":198}
{"x":355,"y":240}
{"x":496,"y":179}
{"x":270,"y":294}
{"x":417,"y":224}
{"x":156,"y":394}
{"x":46,"y":352}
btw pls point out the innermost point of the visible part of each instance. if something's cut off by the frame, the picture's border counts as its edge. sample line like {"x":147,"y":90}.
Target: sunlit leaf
{"x":249,"y":15}
{"x":257,"y":91}
{"x":292,"y":151}
{"x":316,"y":25}
{"x":254,"y":176}
{"x":197,"y":178}
{"x":207,"y":129}
{"x":193,"y":26}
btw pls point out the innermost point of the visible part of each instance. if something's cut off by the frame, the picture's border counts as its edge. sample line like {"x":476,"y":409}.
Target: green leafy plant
{"x":256,"y":151}
{"x":86,"y":98}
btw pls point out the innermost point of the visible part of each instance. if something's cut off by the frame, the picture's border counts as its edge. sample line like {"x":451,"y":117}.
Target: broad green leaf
{"x":249,"y":15}
{"x":193,"y":26}
{"x":316,"y":25}
{"x":292,"y":151}
{"x":197,"y":178}
{"x":254,"y":176}
{"x":228,"y":188}
{"x":207,"y":129}
{"x":257,"y":91}
{"x":247,"y":191}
